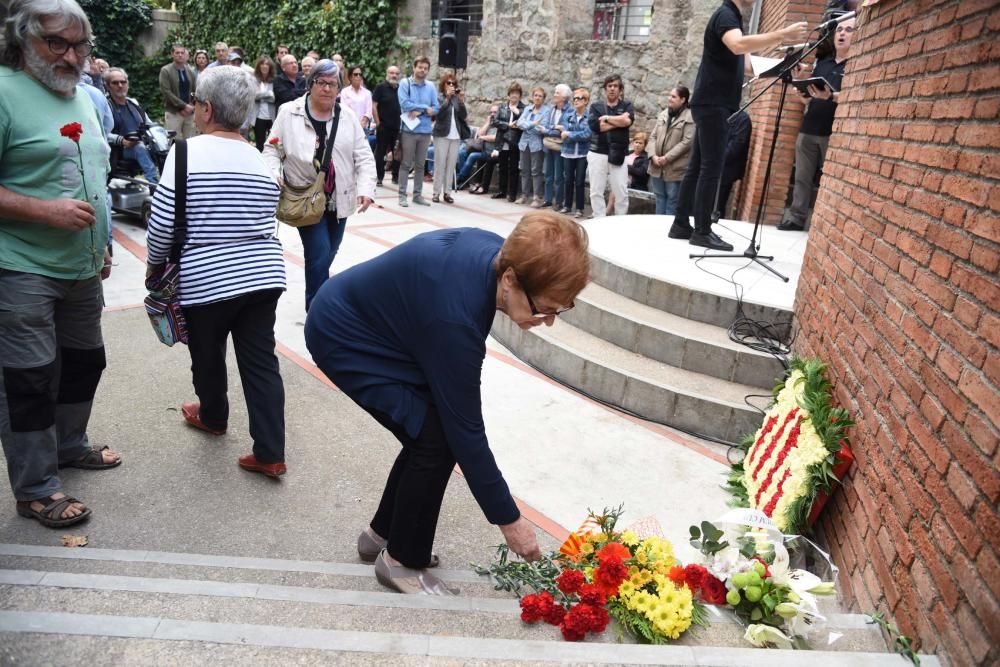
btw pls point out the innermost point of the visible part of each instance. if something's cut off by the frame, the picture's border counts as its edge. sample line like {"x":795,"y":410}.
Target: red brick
{"x":981,"y":433}
{"x":987,"y":520}
{"x":966,"y":312}
{"x":989,"y":570}
{"x":984,"y":78}
{"x":985,"y":257}
{"x":962,"y":486}
{"x":980,"y":392}
{"x":977,"y":593}
{"x":972,"y":460}
{"x":972,"y":630}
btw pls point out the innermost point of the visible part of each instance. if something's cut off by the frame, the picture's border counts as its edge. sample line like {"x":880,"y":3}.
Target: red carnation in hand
{"x":713,"y":591}
{"x":570,"y":580}
{"x":676,"y":575}
{"x":274,"y":141}
{"x":695,"y":576}
{"x":72,"y":131}
{"x":591,"y":594}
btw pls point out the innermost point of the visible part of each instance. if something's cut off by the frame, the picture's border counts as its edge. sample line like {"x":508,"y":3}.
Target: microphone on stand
{"x":832,"y":23}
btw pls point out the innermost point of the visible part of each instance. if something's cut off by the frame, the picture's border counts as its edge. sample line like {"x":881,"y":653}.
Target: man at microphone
{"x":817,"y":126}
{"x":716,"y":96}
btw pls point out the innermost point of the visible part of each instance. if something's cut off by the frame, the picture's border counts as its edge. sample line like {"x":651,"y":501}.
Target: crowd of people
{"x":403,"y":335}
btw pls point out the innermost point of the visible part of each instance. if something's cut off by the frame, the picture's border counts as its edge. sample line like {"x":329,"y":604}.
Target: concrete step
{"x":681,"y":300}
{"x":680,"y":398}
{"x":672,"y":339}
{"x":240,"y":589}
{"x":157,"y":632}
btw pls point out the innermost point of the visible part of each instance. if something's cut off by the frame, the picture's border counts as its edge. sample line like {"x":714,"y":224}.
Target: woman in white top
{"x":263,"y":71}
{"x":297,"y":143}
{"x":232,"y":268}
{"x":450,"y":130}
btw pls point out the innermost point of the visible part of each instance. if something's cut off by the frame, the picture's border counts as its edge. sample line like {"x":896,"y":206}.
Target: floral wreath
{"x":800,"y":451}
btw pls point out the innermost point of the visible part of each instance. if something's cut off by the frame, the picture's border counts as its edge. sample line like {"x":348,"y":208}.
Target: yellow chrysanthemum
{"x":626,"y":590}
{"x":641,"y":557}
{"x":586,"y":548}
{"x":629,"y":538}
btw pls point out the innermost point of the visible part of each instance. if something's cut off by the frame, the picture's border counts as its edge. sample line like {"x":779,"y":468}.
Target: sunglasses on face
{"x":579,"y":99}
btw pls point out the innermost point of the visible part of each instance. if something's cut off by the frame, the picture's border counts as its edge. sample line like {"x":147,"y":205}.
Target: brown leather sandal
{"x":92,"y":460}
{"x":54,"y":507}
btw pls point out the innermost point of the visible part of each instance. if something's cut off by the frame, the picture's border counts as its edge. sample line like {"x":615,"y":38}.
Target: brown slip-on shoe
{"x":250,"y":462}
{"x":192,"y":415}
{"x":408,"y":580}
{"x":369,"y":548}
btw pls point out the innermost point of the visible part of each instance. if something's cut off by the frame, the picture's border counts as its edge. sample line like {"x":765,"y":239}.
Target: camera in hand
{"x":133,"y":136}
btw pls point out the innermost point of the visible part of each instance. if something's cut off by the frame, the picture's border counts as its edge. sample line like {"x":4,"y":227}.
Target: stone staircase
{"x":655,"y":348}
{"x":147,"y":607}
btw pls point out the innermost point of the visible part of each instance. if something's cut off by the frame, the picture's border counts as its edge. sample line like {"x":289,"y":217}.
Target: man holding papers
{"x":817,"y":125}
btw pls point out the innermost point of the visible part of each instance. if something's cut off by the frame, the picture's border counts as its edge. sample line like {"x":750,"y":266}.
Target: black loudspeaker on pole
{"x":453,"y":46}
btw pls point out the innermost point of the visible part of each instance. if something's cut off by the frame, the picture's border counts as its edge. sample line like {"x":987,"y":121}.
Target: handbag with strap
{"x":302,"y":207}
{"x":163,"y":304}
{"x":552,"y":143}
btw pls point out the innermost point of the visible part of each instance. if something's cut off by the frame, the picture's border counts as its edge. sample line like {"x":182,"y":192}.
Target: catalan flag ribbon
{"x":574,"y":543}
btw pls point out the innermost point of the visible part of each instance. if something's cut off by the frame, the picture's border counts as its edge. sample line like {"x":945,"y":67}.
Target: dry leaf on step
{"x":74,"y":540}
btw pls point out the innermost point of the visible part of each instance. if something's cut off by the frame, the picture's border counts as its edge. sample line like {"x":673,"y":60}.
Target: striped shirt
{"x":231,"y":247}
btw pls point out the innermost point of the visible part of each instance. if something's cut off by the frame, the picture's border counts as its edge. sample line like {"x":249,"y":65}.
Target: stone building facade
{"x":546,"y":42}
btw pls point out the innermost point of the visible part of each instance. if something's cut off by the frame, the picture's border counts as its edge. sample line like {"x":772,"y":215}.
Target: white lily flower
{"x":807,"y":619}
{"x":765,"y":636}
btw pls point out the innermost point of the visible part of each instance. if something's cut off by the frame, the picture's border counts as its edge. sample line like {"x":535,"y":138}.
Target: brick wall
{"x":775,"y":14}
{"x":899,"y":293}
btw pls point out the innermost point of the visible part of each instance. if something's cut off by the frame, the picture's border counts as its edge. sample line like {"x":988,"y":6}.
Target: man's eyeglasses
{"x":325,"y":85}
{"x":60,"y":46}
{"x":845,"y":28}
{"x":540,"y":314}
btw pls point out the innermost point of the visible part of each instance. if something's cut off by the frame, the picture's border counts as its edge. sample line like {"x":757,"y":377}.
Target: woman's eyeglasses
{"x":535,"y":312}
{"x":579,"y":99}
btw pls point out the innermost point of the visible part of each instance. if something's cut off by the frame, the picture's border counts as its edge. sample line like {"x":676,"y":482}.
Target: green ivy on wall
{"x":117,"y":26}
{"x":363,"y":31}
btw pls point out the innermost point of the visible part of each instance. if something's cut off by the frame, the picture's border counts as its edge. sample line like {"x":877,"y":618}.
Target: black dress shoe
{"x":498,"y":195}
{"x":680,"y":231}
{"x":790,"y":226}
{"x":712,"y":241}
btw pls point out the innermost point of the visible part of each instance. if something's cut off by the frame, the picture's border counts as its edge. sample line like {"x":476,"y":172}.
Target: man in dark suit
{"x":290,"y":84}
{"x":177,"y":83}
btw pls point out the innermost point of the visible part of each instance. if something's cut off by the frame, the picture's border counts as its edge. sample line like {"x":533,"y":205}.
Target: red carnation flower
{"x":591,"y":594}
{"x":695,"y":576}
{"x":613,"y":550}
{"x":274,"y":141}
{"x":72,"y":131}
{"x":713,"y":591}
{"x":610,"y":575}
{"x":599,"y":619}
{"x":535,"y":607}
{"x":570,"y":580}
{"x":554,"y":614}
{"x":676,"y":575}
{"x":580,"y":620}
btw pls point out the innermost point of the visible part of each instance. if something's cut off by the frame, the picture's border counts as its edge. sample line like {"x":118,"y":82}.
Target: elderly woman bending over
{"x":232,"y":268}
{"x":294,"y":151}
{"x":404,"y":335}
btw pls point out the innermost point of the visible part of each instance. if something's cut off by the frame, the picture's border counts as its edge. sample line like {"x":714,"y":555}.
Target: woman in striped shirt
{"x":232,"y":269}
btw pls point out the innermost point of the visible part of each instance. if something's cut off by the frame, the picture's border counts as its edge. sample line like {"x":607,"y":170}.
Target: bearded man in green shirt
{"x":53,"y":171}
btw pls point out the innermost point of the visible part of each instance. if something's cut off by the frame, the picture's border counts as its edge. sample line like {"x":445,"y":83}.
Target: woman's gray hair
{"x":230,"y":91}
{"x":564,"y":90}
{"x":25,"y":19}
{"x":325,"y":67}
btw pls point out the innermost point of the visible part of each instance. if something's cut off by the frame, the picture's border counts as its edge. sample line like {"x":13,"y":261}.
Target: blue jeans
{"x":666,"y":195}
{"x":555,"y":168}
{"x":140,"y":154}
{"x":466,"y":168}
{"x":320,"y":243}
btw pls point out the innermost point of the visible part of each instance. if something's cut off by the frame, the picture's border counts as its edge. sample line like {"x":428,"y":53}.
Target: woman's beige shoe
{"x":369,"y":548}
{"x":408,"y":580}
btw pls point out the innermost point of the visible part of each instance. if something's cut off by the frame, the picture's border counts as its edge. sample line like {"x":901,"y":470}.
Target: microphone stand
{"x":783,"y":73}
